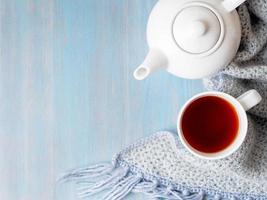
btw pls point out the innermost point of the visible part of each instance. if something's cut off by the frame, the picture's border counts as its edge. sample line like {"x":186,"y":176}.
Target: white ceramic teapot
{"x":191,"y":39}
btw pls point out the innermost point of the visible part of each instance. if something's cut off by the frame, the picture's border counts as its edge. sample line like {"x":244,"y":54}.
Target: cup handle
{"x":249,"y":99}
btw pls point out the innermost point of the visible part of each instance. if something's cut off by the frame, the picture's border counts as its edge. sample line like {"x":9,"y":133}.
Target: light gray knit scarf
{"x":160,"y":167}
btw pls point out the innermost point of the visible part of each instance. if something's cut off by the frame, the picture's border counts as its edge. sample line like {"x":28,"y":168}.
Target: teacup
{"x":213,"y":125}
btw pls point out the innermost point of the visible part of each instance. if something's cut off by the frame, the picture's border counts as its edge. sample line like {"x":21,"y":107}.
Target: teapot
{"x":191,"y":39}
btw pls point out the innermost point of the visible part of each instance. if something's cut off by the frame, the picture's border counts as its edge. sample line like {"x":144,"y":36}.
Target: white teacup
{"x":241,"y":105}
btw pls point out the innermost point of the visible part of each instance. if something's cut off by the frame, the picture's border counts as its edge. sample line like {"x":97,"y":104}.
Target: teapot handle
{"x":231,"y":5}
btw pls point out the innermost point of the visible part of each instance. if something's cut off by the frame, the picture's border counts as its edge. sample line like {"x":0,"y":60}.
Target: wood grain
{"x":67,"y":93}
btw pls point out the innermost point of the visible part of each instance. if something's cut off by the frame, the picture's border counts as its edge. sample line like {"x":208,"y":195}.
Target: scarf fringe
{"x":87,"y":172}
{"x":119,"y":181}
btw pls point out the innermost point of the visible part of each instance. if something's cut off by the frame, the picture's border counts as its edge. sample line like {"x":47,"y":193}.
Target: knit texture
{"x":249,"y":71}
{"x":160,"y":167}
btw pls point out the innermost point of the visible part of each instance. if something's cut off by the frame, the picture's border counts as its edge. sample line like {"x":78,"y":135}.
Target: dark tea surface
{"x":210,"y":124}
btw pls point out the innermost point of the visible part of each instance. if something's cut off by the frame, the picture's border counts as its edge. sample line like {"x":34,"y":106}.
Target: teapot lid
{"x":197,"y":30}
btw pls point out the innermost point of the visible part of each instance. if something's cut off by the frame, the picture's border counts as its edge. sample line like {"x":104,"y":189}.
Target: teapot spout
{"x":230,"y":5}
{"x":142,"y":72}
{"x":155,"y":60}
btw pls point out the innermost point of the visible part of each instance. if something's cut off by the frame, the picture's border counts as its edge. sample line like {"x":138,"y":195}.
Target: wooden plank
{"x":67,"y":93}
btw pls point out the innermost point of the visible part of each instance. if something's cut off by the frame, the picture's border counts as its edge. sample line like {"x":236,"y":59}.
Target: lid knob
{"x":196,"y":29}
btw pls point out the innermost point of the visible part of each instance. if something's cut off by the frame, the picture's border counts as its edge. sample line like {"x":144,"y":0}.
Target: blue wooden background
{"x":67,"y":95}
